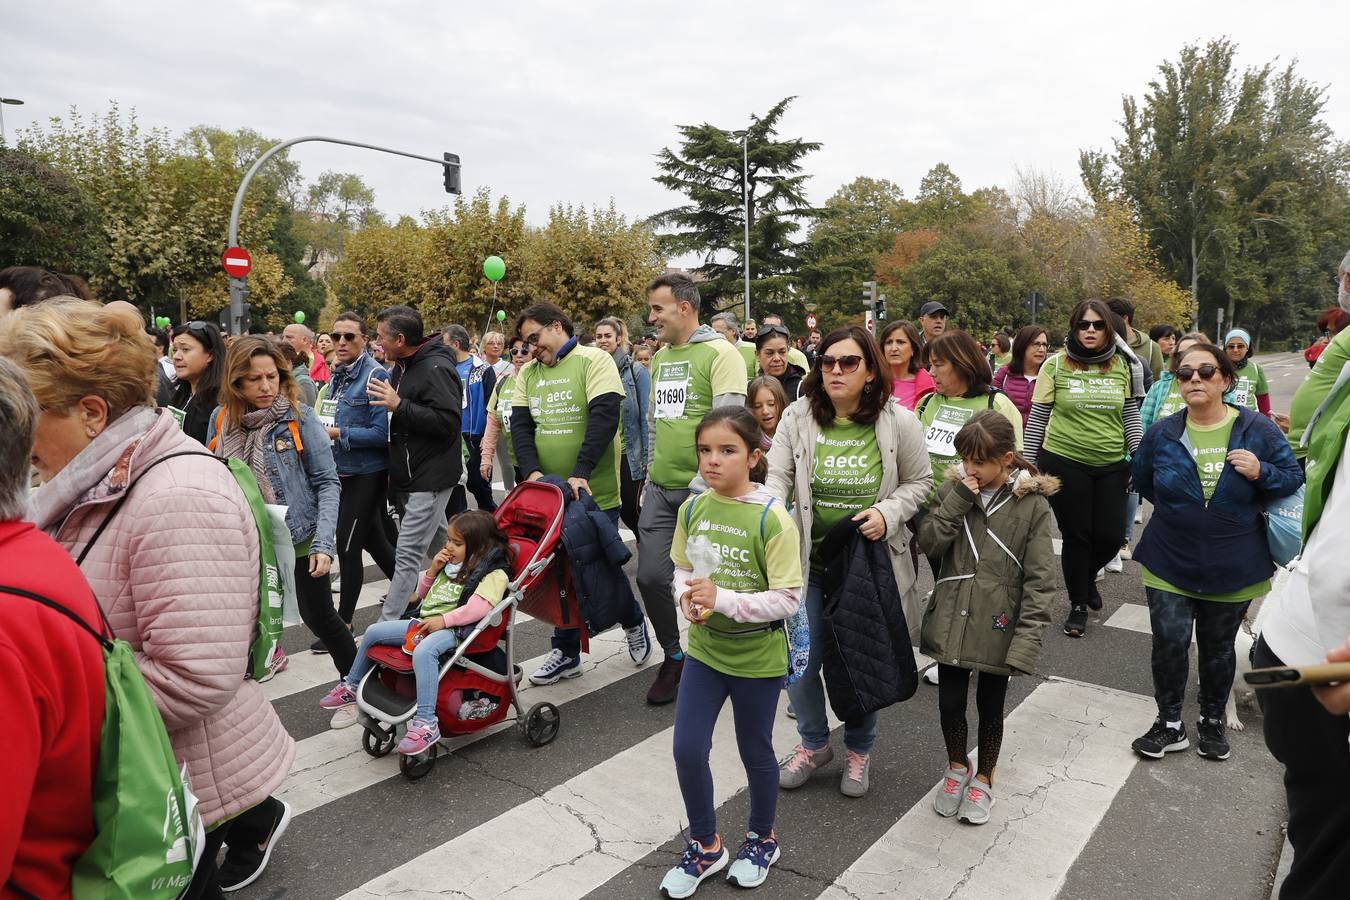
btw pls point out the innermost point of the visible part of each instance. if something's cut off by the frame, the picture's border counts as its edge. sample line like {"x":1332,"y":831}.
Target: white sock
{"x":1174,"y":725}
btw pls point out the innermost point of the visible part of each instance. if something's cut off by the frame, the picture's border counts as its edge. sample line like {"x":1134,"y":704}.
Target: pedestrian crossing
{"x":598,"y":813}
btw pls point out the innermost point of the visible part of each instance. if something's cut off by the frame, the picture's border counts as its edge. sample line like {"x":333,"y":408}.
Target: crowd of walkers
{"x":820,"y":471}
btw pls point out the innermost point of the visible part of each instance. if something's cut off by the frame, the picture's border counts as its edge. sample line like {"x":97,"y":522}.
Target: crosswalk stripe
{"x":597,"y":824}
{"x":1066,"y":755}
{"x":332,"y":764}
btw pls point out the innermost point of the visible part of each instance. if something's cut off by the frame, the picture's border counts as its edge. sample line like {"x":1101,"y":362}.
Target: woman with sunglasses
{"x":498,"y":430}
{"x":360,"y":435}
{"x":198,"y":361}
{"x":842,"y":451}
{"x":1249,"y":388}
{"x":1209,"y":472}
{"x":772,"y":343}
{"x":911,"y":382}
{"x":1083,"y":428}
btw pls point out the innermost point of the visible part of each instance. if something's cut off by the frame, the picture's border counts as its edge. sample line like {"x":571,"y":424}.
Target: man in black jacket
{"x":570,"y":398}
{"x":423,"y":397}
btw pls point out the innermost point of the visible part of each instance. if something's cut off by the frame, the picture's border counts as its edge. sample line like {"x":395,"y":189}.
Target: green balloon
{"x":501,"y":315}
{"x":494,"y":268}
{"x":162,"y":321}
{"x":299,"y":317}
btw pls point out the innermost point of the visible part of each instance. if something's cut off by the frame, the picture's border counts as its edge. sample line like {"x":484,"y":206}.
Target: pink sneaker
{"x":422,"y":733}
{"x":279,"y":662}
{"x":339,"y":697}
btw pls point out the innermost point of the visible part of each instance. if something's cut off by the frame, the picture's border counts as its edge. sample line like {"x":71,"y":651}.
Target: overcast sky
{"x":552,"y":103}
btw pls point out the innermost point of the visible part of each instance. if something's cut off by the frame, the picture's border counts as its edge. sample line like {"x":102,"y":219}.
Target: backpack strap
{"x":220,"y":425}
{"x":294,"y":428}
{"x":51,"y":604}
{"x":764,"y":515}
{"x":98,"y":532}
{"x":923,"y":404}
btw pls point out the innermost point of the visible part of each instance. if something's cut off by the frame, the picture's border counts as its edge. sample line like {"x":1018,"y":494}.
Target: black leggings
{"x":361,"y":526}
{"x":990,"y":692}
{"x":1090,"y":511}
{"x":315,"y":599}
{"x":630,"y":490}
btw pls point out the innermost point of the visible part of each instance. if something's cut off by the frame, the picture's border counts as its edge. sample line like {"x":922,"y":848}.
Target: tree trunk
{"x":1195,"y":284}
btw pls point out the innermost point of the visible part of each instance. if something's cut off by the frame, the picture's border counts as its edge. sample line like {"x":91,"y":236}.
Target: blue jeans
{"x":568,"y":640}
{"x":426,"y":659}
{"x":754,"y":703}
{"x":1131,"y":507}
{"x":808,"y":693}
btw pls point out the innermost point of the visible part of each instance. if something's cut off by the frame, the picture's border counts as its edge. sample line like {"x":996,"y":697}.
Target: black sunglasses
{"x":1098,"y":325}
{"x":773,"y":329}
{"x":847,"y":364}
{"x":1207,"y":371}
{"x":520,"y":351}
{"x":340,"y":336}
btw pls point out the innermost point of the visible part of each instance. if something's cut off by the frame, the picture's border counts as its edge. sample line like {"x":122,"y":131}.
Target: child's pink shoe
{"x":422,"y":733}
{"x":339,"y":697}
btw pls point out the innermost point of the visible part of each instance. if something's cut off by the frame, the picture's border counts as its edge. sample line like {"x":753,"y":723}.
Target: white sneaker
{"x":639,"y":644}
{"x":1101,"y":573}
{"x":1115,"y":565}
{"x":1126,"y":552}
{"x":344,"y":718}
{"x":1139,"y":514}
{"x":930,"y":675}
{"x":556,"y":667}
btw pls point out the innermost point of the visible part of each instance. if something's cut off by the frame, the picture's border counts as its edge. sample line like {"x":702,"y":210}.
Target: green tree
{"x":462,"y":237}
{"x":45,"y":218}
{"x":385,"y":265}
{"x":708,"y":169}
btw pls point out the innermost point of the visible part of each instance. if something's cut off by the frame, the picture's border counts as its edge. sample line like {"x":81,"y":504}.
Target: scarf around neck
{"x":245,"y":442}
{"x":1080,"y":354}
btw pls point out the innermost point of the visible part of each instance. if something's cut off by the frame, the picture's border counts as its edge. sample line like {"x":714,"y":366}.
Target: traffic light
{"x":451,"y":173}
{"x":869,"y":292}
{"x":881,"y":307}
{"x":1034,"y":304}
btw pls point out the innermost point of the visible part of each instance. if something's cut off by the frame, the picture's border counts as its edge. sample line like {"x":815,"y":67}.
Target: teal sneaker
{"x":752,"y":863}
{"x":695,"y":865}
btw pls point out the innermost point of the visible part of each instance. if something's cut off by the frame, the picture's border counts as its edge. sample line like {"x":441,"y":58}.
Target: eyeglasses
{"x":1236,"y":347}
{"x":1206,"y":372}
{"x":1098,"y":325}
{"x":846,"y":364}
{"x":340,"y":336}
{"x":520,"y":351}
{"x":1041,"y":344}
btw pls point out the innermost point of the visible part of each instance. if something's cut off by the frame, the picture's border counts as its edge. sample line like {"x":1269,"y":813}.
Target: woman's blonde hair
{"x":239,"y":361}
{"x":71,"y":348}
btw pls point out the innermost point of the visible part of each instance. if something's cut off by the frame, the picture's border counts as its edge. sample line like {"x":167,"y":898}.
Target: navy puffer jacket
{"x":596,"y":555}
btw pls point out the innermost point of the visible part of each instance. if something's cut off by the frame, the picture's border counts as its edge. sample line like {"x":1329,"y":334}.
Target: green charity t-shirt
{"x":747,"y":350}
{"x":942,"y":417}
{"x":1087,"y":424}
{"x":446,"y":596}
{"x":1209,"y":447}
{"x":1251,"y":383}
{"x":558,"y":398}
{"x":845,"y":477}
{"x":759,"y":552}
{"x":684,"y":381}
{"x":505,"y":388}
{"x":1173,"y":402}
{"x":1315,"y":388}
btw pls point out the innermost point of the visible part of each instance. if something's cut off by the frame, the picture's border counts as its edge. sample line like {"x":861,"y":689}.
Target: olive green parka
{"x":997,"y":581}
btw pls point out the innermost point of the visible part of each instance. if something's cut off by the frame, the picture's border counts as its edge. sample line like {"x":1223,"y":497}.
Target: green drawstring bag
{"x":148,"y":834}
{"x":271,"y":590}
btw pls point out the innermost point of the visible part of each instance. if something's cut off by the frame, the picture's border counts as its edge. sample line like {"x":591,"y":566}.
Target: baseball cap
{"x":932,"y":307}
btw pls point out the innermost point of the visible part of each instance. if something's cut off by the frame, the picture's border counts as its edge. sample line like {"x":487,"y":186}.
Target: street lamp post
{"x":12,"y":102}
{"x":745,"y":206}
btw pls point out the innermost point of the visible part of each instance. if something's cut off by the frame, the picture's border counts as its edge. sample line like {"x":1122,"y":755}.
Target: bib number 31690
{"x":670,"y":399}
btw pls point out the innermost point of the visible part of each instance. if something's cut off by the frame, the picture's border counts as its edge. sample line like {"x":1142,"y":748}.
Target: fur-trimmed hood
{"x":1023,"y":482}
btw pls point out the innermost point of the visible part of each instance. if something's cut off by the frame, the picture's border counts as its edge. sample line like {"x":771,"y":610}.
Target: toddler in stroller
{"x":467,"y":578}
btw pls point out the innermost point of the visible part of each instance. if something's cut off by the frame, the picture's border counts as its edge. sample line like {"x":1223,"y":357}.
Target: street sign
{"x":236,"y":262}
{"x":810,"y":321}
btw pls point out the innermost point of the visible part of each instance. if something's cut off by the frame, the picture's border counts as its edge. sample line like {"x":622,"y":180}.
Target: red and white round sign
{"x":236,"y":262}
{"x":810,"y":320}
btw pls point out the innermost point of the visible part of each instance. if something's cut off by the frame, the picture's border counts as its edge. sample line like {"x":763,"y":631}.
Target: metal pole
{"x":745,"y":202}
{"x":238,"y":290}
{"x":2,"y":123}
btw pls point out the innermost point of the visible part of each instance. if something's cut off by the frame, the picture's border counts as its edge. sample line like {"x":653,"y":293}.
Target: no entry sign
{"x":236,"y":262}
{"x":811,"y":320}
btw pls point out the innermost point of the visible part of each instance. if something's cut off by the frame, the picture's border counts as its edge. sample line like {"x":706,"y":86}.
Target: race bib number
{"x":941,"y":435}
{"x":328,"y":412}
{"x":1244,"y":391}
{"x":671,"y":391}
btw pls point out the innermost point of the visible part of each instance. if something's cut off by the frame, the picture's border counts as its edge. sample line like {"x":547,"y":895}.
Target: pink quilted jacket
{"x":176,"y":570}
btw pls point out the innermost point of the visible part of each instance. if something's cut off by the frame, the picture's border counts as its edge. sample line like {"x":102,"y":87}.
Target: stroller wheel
{"x":380,"y":744}
{"x":419,"y":765}
{"x":540,"y":724}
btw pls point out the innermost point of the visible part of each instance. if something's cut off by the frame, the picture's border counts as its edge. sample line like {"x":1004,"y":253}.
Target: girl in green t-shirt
{"x":737,"y":641}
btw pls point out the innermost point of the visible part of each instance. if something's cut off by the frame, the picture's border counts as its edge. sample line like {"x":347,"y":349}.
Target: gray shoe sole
{"x":1170,"y":748}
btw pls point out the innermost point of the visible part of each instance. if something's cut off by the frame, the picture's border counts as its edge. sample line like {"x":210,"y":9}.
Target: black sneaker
{"x":1076,"y":624}
{"x":318,"y":647}
{"x":1213,"y":739}
{"x":244,"y":865}
{"x":1161,"y":740}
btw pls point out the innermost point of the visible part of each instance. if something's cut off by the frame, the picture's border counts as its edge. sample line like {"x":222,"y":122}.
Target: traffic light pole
{"x":238,"y":286}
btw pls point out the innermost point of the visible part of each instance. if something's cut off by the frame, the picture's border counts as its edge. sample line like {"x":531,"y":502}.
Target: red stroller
{"x":480,"y":676}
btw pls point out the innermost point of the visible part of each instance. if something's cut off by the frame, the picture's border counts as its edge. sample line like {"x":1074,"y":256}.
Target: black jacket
{"x":867,"y":658}
{"x":424,"y":441}
{"x":196,"y":411}
{"x":596,"y":555}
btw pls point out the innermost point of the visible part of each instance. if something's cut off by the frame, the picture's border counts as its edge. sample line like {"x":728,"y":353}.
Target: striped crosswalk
{"x":598,"y":811}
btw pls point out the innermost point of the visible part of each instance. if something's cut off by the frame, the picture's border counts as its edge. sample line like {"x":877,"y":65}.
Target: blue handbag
{"x":1284,"y":527}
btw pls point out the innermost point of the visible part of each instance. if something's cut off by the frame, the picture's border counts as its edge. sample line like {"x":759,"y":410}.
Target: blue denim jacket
{"x":362,"y":446}
{"x":306,"y":483}
{"x":637,"y":390}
